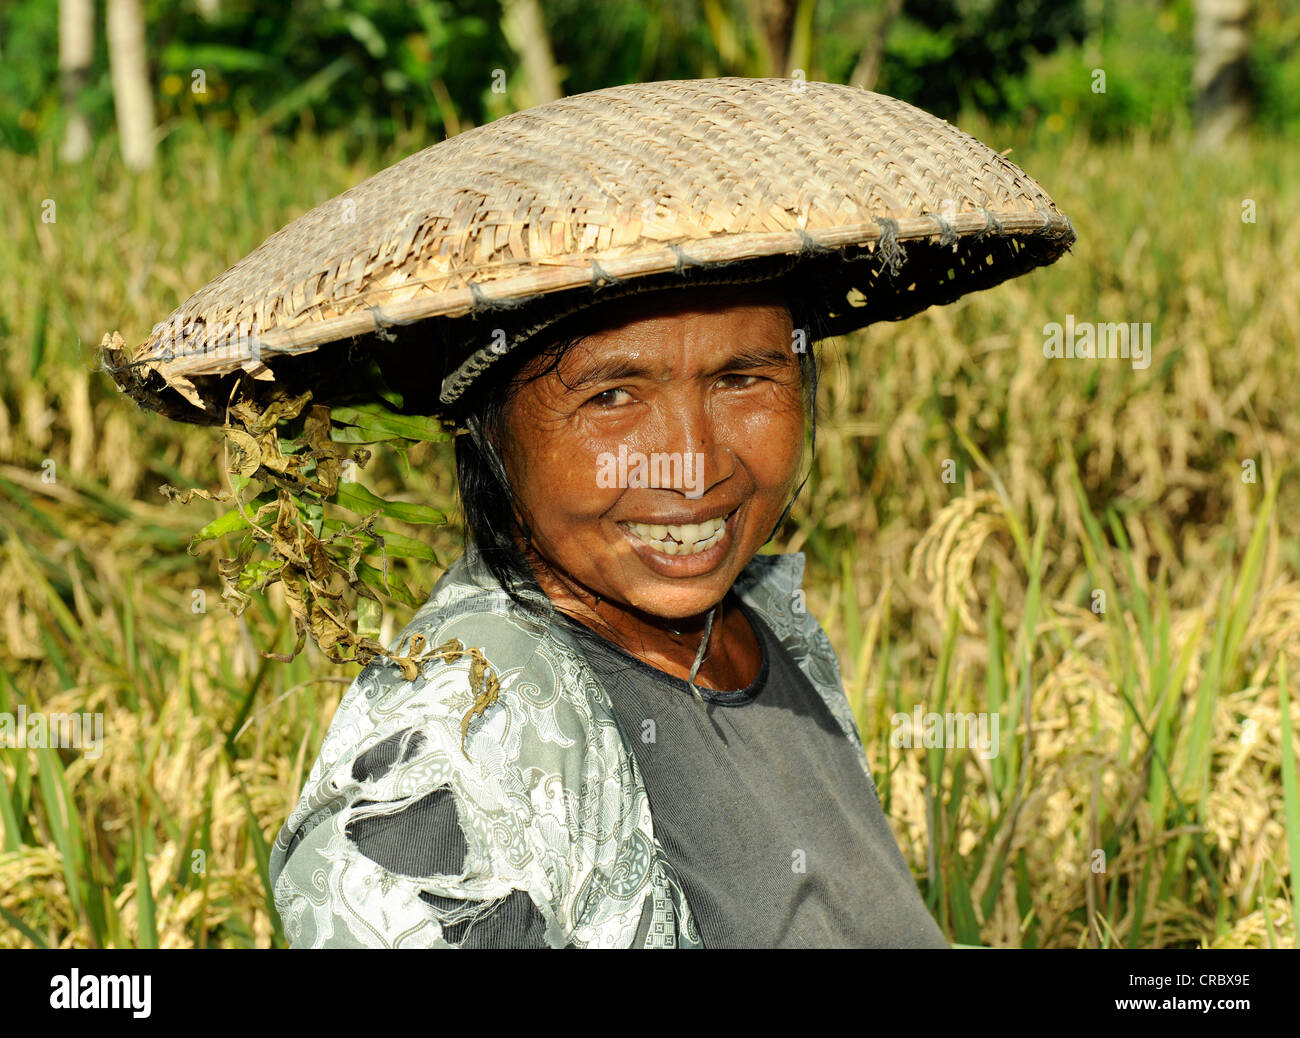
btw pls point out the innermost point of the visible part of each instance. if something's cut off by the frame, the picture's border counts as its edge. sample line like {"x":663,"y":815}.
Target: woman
{"x":600,"y":802}
{"x":613,"y":724}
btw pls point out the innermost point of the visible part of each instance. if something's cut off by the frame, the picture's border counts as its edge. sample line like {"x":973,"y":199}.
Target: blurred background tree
{"x":374,"y":67}
{"x":128,"y":62}
{"x":76,"y":49}
{"x":1224,"y":94}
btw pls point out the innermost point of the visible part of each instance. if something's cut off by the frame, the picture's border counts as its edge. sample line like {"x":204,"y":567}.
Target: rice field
{"x":1102,"y":556}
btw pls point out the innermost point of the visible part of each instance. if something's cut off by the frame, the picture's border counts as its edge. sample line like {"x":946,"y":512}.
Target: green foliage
{"x":326,"y":64}
{"x":375,"y":68}
{"x":28,"y":73}
{"x":1275,"y":67}
{"x":943,"y":55}
{"x":1133,"y":70}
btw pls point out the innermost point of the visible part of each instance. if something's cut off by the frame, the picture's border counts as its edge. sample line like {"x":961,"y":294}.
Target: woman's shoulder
{"x":474,"y":671}
{"x":486,"y":733}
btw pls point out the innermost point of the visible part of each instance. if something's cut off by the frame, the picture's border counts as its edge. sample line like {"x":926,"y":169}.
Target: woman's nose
{"x":692,"y":433}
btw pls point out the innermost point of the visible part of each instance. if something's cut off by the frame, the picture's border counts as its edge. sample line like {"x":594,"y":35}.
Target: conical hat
{"x":457,"y":254}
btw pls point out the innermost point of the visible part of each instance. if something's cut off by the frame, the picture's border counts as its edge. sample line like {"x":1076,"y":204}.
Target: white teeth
{"x":687,"y":539}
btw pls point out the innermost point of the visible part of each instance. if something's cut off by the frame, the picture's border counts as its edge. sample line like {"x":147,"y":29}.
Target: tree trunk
{"x":778,"y":31}
{"x":867,"y":71}
{"x":76,"y":50}
{"x":132,"y":95}
{"x":1221,"y":77}
{"x":524,"y":28}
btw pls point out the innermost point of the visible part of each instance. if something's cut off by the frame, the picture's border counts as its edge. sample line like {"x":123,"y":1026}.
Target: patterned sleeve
{"x":399,"y":839}
{"x":383,"y":851}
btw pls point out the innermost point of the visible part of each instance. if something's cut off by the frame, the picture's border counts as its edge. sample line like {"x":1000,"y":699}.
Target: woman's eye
{"x":745,"y":380}
{"x":611,"y":398}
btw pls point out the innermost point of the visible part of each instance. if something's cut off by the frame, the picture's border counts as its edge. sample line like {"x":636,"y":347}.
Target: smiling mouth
{"x":688,"y":539}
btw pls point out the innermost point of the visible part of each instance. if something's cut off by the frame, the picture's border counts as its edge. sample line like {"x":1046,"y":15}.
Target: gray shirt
{"x":762,"y":806}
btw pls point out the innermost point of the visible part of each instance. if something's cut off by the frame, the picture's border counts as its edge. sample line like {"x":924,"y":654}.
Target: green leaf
{"x":364,"y":32}
{"x":354,"y":434}
{"x":254,"y":574}
{"x":356,"y":498}
{"x":399,"y":547}
{"x":313,"y":514}
{"x":233,"y":521}
{"x":183,"y":57}
{"x":146,"y":908}
{"x":378,"y":422}
{"x":61,"y":817}
{"x":1251,"y":568}
{"x":396,"y":545}
{"x":370,"y":616}
{"x":393,"y":587}
{"x":22,"y":928}
{"x":311,"y":90}
{"x":262,"y":852}
{"x":1290,"y":793}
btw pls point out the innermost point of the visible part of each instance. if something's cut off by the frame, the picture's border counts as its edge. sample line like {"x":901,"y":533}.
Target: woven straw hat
{"x":453,"y":257}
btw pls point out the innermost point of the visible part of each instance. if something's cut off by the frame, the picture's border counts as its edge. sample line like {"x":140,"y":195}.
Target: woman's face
{"x":653,"y":463}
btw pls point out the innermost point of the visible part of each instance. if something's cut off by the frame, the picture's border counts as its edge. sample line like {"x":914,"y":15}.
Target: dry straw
{"x":875,"y":208}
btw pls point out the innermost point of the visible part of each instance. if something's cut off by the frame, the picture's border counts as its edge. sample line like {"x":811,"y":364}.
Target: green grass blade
{"x":1290,"y":793}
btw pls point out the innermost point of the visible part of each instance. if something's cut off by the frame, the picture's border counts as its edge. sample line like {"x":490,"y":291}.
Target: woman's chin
{"x":677,"y":600}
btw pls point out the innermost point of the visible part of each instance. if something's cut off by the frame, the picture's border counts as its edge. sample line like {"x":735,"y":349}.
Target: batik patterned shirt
{"x":546,"y":788}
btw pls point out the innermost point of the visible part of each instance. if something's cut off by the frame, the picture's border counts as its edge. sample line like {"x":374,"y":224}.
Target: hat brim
{"x":868,"y":208}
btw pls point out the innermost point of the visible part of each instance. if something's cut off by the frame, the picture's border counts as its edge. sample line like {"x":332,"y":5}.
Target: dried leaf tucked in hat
{"x":304,"y":522}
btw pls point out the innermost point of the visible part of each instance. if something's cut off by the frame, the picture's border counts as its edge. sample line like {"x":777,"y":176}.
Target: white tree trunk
{"x":1221,"y":76}
{"x":866,"y":73}
{"x":76,"y":50}
{"x":524,"y":28}
{"x":774,"y":20}
{"x":132,"y":93}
